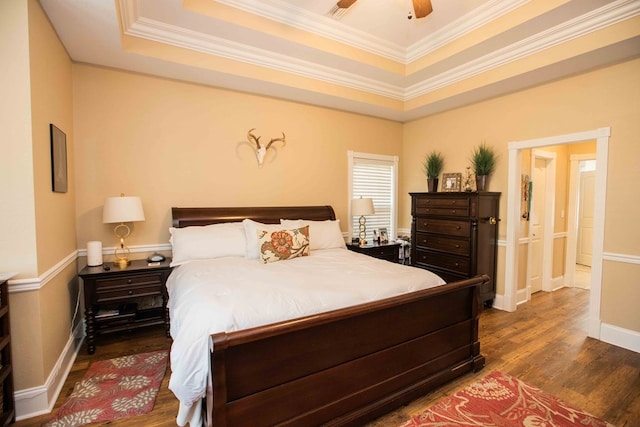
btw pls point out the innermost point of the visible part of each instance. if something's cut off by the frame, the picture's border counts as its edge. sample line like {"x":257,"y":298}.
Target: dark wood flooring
{"x":543,"y":343}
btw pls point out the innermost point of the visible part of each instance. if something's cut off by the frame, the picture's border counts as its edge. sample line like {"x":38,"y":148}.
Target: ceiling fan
{"x":421,"y":8}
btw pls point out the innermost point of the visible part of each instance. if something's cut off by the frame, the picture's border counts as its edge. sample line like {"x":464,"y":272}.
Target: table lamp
{"x":361,"y":207}
{"x":120,"y":210}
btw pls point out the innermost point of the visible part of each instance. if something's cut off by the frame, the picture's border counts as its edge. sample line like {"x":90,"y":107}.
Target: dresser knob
{"x":458,"y":227}
{"x":453,"y":211}
{"x":129,"y":281}
{"x":457,"y":246}
{"x":457,"y":265}
{"x":130,"y":292}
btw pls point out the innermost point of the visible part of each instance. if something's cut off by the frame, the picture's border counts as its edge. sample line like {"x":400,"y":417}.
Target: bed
{"x":339,"y":367}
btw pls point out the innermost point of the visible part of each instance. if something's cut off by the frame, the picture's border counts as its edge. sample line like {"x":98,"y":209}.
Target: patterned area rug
{"x":115,"y":388}
{"x":500,"y":400}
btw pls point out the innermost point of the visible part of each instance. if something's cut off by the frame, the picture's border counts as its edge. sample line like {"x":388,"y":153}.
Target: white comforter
{"x":233,"y":293}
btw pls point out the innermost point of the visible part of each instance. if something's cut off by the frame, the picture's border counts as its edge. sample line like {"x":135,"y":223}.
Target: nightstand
{"x":118,"y":299}
{"x":386,"y":251}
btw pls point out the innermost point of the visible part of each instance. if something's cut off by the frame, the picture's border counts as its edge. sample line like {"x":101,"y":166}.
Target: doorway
{"x":577,"y":274}
{"x":601,"y":136}
{"x":541,"y":225}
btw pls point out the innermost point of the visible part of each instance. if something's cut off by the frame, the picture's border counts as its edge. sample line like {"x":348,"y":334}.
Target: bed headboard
{"x":184,"y":217}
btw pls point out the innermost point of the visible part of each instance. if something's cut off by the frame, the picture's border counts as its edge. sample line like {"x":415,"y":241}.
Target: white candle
{"x":94,"y":253}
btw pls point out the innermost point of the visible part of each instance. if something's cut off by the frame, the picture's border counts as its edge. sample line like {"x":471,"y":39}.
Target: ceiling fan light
{"x":345,"y":4}
{"x":422,"y":8}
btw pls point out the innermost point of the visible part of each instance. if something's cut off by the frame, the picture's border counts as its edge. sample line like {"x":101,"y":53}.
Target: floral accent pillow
{"x":280,"y":245}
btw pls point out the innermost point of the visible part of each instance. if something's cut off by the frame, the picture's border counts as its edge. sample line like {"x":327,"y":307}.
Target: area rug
{"x":500,"y":400}
{"x":115,"y":388}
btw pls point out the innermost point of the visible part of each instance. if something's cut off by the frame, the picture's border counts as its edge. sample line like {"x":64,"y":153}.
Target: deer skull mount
{"x":261,"y":149}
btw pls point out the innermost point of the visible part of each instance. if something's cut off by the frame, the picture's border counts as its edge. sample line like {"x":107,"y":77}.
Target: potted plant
{"x":433,"y":164}
{"x":483,"y":161}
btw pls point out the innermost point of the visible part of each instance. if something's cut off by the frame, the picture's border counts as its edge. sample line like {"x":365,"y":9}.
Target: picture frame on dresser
{"x":384,"y":235}
{"x":58,"y":159}
{"x":451,"y":182}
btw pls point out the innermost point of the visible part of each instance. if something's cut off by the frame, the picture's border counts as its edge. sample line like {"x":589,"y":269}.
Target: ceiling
{"x":372,"y":60}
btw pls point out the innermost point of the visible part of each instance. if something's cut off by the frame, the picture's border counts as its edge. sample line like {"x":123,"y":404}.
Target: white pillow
{"x":322,"y":234}
{"x":205,"y":242}
{"x":251,"y":228}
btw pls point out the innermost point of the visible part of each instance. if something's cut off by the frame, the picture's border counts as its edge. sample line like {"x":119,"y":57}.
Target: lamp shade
{"x":362,"y":206}
{"x":122,"y":209}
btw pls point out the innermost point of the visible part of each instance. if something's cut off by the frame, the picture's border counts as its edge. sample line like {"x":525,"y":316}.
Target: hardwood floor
{"x":543,"y":343}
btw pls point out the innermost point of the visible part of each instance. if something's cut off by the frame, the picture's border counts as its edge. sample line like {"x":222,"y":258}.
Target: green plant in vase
{"x":483,"y":162}
{"x":433,"y":164}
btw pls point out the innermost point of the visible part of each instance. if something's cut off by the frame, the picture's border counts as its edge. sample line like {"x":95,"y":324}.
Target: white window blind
{"x":375,"y":176}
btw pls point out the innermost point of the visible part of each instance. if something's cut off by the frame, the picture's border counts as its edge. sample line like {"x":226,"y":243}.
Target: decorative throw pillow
{"x":251,"y":229}
{"x":279,"y":245}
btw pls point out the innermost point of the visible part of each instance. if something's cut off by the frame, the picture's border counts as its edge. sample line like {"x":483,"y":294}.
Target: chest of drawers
{"x":455,"y":235}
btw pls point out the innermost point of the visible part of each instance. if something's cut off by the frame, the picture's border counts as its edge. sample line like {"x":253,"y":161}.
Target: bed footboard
{"x":347,"y":366}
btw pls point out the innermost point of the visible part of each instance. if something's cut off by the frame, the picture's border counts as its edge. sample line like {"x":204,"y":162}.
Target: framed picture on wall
{"x":58,"y":160}
{"x":451,"y":181}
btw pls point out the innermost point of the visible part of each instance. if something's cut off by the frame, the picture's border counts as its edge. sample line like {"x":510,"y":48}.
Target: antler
{"x":276,"y":140}
{"x":255,"y":139}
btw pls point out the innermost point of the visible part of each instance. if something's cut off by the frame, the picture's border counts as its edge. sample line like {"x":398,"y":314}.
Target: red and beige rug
{"x":500,"y":400}
{"x":115,"y":388}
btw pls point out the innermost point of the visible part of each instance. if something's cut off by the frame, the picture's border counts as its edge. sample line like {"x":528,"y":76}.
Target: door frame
{"x":572,"y":212}
{"x":548,"y":221}
{"x":601,"y":136}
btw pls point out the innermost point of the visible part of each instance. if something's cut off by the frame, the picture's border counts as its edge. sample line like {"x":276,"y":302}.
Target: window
{"x":374,"y":176}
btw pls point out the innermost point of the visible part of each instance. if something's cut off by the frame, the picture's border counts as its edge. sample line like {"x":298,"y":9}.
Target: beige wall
{"x":55,"y":212}
{"x":605,"y":97}
{"x":180,"y":144}
{"x":42,"y":234}
{"x":18,"y":244}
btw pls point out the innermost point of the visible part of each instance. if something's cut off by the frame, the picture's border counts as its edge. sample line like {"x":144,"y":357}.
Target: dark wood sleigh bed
{"x":342,"y":367}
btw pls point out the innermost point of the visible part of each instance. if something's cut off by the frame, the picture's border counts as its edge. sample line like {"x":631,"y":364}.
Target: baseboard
{"x":498,"y":302}
{"x":620,"y":337}
{"x":40,"y":400}
{"x":557,"y":283}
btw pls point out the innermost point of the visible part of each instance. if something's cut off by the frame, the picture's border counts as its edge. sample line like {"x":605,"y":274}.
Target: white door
{"x":536,"y":226}
{"x":585,"y":218}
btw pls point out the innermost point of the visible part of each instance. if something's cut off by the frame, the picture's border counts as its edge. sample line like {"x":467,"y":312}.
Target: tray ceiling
{"x":371,"y":60}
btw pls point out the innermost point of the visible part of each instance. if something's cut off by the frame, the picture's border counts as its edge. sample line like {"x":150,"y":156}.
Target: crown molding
{"x":285,"y":13}
{"x":610,"y":14}
{"x":297,"y":17}
{"x":149,"y":29}
{"x":465,"y":24}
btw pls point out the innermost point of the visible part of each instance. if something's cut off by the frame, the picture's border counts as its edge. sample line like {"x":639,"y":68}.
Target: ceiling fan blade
{"x":345,"y":4}
{"x":422,"y":8}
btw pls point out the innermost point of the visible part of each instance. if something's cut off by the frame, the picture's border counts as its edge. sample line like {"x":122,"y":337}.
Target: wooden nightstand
{"x":386,"y":251}
{"x":117,"y":299}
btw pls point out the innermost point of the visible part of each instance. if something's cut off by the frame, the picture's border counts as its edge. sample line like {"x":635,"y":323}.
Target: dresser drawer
{"x":443,"y":226}
{"x":114,"y":289}
{"x":448,"y":262}
{"x":444,"y":244}
{"x":443,"y":206}
{"x":388,"y":252}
